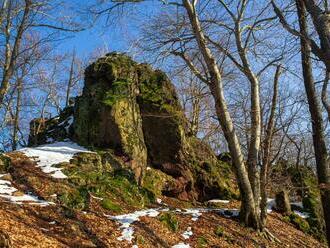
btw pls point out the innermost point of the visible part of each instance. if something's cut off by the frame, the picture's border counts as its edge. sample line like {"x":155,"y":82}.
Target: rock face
{"x":134,"y":111}
{"x":107,"y":114}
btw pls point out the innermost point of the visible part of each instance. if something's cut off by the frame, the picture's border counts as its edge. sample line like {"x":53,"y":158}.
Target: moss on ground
{"x":202,"y":242}
{"x":298,"y":222}
{"x":219,"y":231}
{"x":170,"y":221}
{"x":109,"y":205}
{"x":4,"y":164}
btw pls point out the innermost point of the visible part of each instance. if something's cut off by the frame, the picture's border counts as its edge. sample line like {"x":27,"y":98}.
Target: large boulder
{"x":107,"y":114}
{"x":134,"y":111}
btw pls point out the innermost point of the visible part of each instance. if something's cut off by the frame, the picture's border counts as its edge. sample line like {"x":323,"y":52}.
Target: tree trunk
{"x":266,"y":151}
{"x":320,"y":149}
{"x":11,"y":57}
{"x":70,"y":82}
{"x":17,"y":113}
{"x":248,"y":213}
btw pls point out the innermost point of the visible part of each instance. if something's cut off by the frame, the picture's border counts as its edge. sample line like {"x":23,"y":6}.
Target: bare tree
{"x":308,"y":46}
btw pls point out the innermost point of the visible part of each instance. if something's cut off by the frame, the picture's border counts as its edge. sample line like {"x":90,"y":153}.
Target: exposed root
{"x":269,"y":236}
{"x":5,"y":240}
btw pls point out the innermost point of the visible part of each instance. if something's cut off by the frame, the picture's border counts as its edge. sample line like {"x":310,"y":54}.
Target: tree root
{"x":5,"y":240}
{"x":269,"y":236}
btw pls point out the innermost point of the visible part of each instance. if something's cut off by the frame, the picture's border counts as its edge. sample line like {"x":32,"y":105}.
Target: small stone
{"x":217,"y":203}
{"x":18,"y":193}
{"x":7,"y":177}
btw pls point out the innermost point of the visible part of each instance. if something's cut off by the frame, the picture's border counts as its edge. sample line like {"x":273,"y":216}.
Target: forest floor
{"x":38,"y":226}
{"x":31,"y":221}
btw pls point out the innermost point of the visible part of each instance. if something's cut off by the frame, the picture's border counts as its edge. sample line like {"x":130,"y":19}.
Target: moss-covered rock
{"x":304,"y":180}
{"x":133,"y":110}
{"x":298,"y":222}
{"x":157,"y":181}
{"x":89,"y":176}
{"x":107,"y":114}
{"x":109,"y":205}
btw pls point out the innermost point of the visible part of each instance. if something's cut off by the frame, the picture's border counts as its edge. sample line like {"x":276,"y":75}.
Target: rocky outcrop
{"x":59,"y":128}
{"x":134,"y":111}
{"x":107,"y":114}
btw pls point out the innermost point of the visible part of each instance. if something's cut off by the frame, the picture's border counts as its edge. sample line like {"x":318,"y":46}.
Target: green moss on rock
{"x":87,"y":174}
{"x":156,"y":181}
{"x":298,"y":222}
{"x":107,"y":114}
{"x":75,"y":199}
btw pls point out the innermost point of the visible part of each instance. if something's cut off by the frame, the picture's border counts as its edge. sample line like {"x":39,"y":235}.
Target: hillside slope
{"x":40,"y":207}
{"x":119,"y":168}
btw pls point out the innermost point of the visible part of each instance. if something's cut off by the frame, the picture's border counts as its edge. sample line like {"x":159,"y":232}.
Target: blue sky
{"x":112,"y":37}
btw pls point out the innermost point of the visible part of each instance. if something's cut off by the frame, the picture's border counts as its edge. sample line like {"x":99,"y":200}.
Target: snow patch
{"x":194,"y":212}
{"x":51,"y":154}
{"x":219,"y":201}
{"x":188,"y":233}
{"x":297,"y":204}
{"x":7,"y":190}
{"x":229,"y":213}
{"x":127,"y":219}
{"x":270,"y":205}
{"x":301,"y":214}
{"x":181,"y":245}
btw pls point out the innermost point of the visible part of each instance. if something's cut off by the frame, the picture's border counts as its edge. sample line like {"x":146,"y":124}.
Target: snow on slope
{"x":49,"y":155}
{"x":188,"y":233}
{"x":218,"y":201}
{"x":7,"y":191}
{"x":181,"y":245}
{"x":127,"y":219}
